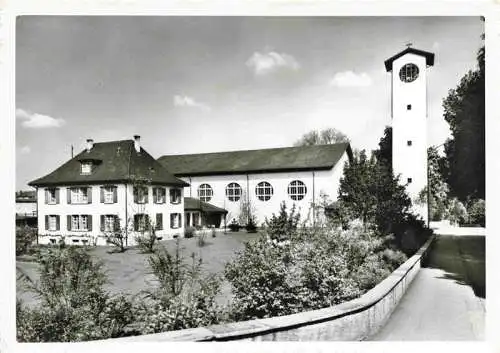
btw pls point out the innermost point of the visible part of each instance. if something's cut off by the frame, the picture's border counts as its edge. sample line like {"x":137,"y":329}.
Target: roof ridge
{"x":257,"y":149}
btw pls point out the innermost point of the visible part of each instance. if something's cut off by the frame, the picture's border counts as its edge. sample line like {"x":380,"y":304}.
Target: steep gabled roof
{"x":193,"y":204}
{"x":319,"y":157}
{"x":115,"y":161}
{"x":429,"y":57}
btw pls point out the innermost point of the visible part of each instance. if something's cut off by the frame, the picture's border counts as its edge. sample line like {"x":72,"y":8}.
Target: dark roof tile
{"x":257,"y":161}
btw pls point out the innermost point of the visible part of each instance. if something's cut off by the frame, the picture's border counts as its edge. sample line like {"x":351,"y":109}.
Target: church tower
{"x":409,"y":120}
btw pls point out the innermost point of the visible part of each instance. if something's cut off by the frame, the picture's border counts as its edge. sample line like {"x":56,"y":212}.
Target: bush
{"x":183,"y":298}
{"x":73,"y":307}
{"x":147,"y":240}
{"x":25,"y":237}
{"x":284,"y":225}
{"x":234,"y":227}
{"x":189,"y":232}
{"x":477,"y":212}
{"x":318,"y":268}
{"x":251,"y":227}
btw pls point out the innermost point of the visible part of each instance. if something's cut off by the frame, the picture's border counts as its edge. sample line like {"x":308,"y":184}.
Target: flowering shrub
{"x":314,"y":269}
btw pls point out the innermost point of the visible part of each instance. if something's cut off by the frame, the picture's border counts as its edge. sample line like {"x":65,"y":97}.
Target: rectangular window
{"x":52,"y":222}
{"x":52,"y":196}
{"x":86,"y":168}
{"x":159,"y":195}
{"x":140,"y":194}
{"x":108,"y":194}
{"x":409,"y":143}
{"x":159,"y":221}
{"x":80,"y":222}
{"x":175,"y":220}
{"x":141,"y":222}
{"x":109,"y":223}
{"x":410,"y":180}
{"x":80,"y":195}
{"x":408,"y":107}
{"x":175,"y":196}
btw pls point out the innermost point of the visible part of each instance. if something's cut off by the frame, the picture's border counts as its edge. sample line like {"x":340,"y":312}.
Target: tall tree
{"x":384,"y":152}
{"x":322,"y":137}
{"x":464,"y":110}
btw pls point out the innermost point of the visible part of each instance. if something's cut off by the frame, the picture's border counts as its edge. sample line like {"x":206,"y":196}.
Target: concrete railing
{"x":354,"y":320}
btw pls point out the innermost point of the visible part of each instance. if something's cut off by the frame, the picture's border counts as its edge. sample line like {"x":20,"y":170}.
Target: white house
{"x":106,"y":186}
{"x":265,"y":177}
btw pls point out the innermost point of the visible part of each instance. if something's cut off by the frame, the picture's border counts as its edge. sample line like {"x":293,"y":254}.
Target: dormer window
{"x":86,"y":168}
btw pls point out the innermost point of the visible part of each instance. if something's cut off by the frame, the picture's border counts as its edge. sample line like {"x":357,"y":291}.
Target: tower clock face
{"x":408,"y":73}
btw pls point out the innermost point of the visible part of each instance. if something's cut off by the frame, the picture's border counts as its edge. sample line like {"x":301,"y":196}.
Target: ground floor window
{"x":109,"y":223}
{"x":80,"y":222}
{"x":175,"y":220}
{"x":297,"y":190}
{"x":159,"y":221}
{"x":141,"y":222}
{"x":264,"y":191}
{"x":52,"y":222}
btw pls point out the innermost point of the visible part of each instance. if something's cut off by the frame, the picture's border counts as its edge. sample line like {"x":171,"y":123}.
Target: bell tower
{"x":409,"y":120}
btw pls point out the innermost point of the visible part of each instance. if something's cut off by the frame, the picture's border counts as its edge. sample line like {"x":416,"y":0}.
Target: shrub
{"x":251,"y":227}
{"x":284,"y":225}
{"x":477,"y":212}
{"x":234,"y":227}
{"x":117,"y":237}
{"x":189,"y":232}
{"x":318,"y":268}
{"x":73,"y":307}
{"x":25,"y":237}
{"x":183,"y":298}
{"x":202,"y":239}
{"x":147,"y":240}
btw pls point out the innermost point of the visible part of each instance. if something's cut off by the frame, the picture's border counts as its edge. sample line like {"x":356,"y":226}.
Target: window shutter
{"x":102,"y":223}
{"x":46,"y":222}
{"x":115,"y":194}
{"x":135,"y":195}
{"x":159,"y":221}
{"x":172,"y":215}
{"x":155,"y":195}
{"x":179,"y":224}
{"x":58,"y":223}
{"x":116,"y":223}
{"x":146,"y":190}
{"x":102,"y":194}
{"x":68,"y":194}
{"x":89,"y":222}
{"x":148,"y":223}
{"x":57,"y":195}
{"x":89,"y":195}
{"x":68,"y":222}
{"x":136,"y":222}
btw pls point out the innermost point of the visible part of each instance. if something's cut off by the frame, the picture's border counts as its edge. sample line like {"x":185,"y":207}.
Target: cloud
{"x":25,"y":150}
{"x":351,"y":79}
{"x":37,"y":121}
{"x":266,"y":63}
{"x":189,"y":102}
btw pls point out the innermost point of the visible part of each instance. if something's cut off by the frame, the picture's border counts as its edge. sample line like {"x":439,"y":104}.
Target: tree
{"x":322,"y":137}
{"x":384,"y":152}
{"x":464,"y":111}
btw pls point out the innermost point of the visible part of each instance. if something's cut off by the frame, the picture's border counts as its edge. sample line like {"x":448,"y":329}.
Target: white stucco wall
{"x":124,"y":208}
{"x":410,"y":125}
{"x":317,"y":182}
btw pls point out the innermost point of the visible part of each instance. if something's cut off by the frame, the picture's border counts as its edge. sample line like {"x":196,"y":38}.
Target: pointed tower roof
{"x":429,"y":57}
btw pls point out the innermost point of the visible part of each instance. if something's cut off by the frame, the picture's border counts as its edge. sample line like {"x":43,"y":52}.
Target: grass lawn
{"x":128,"y":272}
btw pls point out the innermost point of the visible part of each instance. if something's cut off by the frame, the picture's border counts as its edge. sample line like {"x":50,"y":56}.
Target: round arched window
{"x":297,"y":190}
{"x":264,"y":191}
{"x":408,"y":73}
{"x":233,"y":191}
{"x":205,"y":192}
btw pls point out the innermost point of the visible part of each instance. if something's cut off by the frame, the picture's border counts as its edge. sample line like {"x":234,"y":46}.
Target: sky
{"x":208,"y":84}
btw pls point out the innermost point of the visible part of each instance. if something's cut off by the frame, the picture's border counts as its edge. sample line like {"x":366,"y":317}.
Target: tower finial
{"x":409,"y":44}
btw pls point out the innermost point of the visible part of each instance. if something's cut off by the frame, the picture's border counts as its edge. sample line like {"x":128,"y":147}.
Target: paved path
{"x":446,"y":299}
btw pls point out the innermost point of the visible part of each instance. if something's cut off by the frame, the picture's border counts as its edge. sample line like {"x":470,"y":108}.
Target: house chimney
{"x":137,"y":143}
{"x":90,"y":144}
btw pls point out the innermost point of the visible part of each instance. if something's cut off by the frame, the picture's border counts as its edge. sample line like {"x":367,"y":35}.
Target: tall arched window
{"x":264,"y":191}
{"x":205,"y":192}
{"x":233,"y":191}
{"x":297,"y":190}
